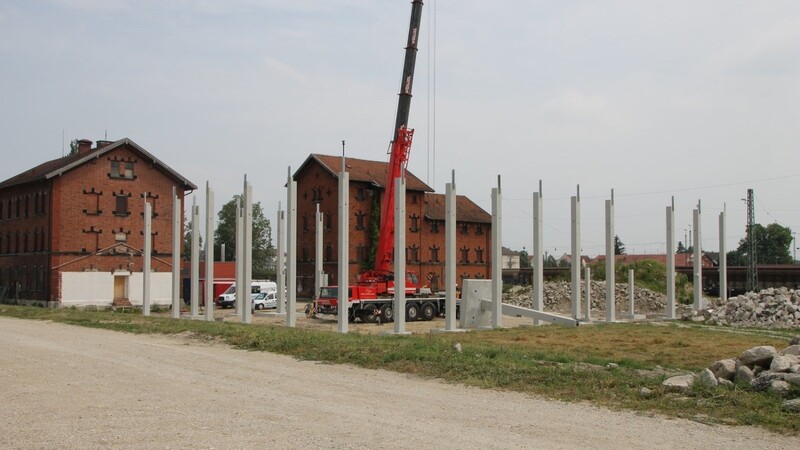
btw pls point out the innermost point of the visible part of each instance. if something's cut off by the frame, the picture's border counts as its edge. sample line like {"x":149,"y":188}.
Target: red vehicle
{"x":366,"y":305}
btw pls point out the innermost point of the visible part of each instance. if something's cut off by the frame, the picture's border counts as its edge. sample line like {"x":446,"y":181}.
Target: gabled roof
{"x":56,"y":167}
{"x":364,"y":170}
{"x":466,"y":209}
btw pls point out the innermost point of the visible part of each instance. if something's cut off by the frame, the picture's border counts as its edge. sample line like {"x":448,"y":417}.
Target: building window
{"x":122,"y":170}
{"x":304,"y":254}
{"x":361,"y":194}
{"x":414,"y":223}
{"x":479,"y":255}
{"x":1,"y":210}
{"x":305,"y":222}
{"x":27,"y":204}
{"x":16,"y":200}
{"x":94,"y":235}
{"x":434,"y":226}
{"x":122,"y":205}
{"x":360,"y":220}
{"x":152,"y":200}
{"x":478,"y":228}
{"x":92,"y":202}
{"x":434,"y":254}
{"x":328,"y":221}
{"x":464,"y":228}
{"x":361,"y":253}
{"x":1,"y":247}
{"x":464,"y":255}
{"x":316,"y":194}
{"x":412,"y":254}
{"x":329,"y":253}
{"x":8,"y":212}
{"x":44,"y":203}
{"x":413,"y":199}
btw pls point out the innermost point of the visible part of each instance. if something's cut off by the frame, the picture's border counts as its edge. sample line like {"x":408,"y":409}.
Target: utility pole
{"x":752,"y":273}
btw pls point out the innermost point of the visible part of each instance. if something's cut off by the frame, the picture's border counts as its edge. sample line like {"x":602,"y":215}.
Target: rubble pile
{"x":557,"y":296}
{"x":773,"y":307}
{"x":760,"y":368}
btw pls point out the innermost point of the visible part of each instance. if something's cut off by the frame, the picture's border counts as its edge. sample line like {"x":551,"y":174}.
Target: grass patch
{"x":555,"y":362}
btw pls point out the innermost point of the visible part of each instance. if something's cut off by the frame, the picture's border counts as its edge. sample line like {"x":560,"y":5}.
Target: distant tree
{"x":524,"y":259}
{"x":681,"y":248}
{"x":619,"y":246}
{"x":549,"y":261}
{"x":263,"y":251}
{"x":187,"y":240}
{"x":773,"y":246}
{"x":73,"y":147}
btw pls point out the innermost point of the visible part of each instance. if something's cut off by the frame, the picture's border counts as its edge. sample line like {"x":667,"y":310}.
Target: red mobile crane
{"x":381,"y":277}
{"x":369,"y":299}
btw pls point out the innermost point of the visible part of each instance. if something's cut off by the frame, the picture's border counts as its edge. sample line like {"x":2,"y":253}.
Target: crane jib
{"x":404,"y":102}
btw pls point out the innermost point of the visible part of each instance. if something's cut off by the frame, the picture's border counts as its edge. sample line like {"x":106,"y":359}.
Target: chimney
{"x":84,"y":145}
{"x":103,"y":143}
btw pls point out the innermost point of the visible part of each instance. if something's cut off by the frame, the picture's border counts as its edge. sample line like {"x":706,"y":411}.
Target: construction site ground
{"x":65,"y":386}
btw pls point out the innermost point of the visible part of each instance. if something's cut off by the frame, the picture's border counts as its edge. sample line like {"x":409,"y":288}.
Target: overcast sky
{"x":699,"y":100}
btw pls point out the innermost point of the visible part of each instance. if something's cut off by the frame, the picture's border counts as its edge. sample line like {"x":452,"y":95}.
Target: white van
{"x":228,"y":298}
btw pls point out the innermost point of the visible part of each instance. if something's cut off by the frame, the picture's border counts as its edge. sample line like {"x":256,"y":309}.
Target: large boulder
{"x":707,"y":378}
{"x":795,"y":340}
{"x":792,"y":405}
{"x":744,"y":374}
{"x":724,"y":369}
{"x":758,"y":356}
{"x":779,"y":387}
{"x":792,"y":350}
{"x":792,"y":378}
{"x":681,"y":384}
{"x":781,"y":363}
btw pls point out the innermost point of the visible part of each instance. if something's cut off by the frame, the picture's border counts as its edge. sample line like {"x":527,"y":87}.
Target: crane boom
{"x":401,"y":144}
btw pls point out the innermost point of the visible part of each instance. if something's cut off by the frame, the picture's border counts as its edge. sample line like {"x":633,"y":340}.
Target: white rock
{"x":680,"y":383}
{"x":725,"y":369}
{"x":792,"y":405}
{"x":781,"y":364}
{"x":792,"y":350}
{"x":759,"y":356}
{"x":779,"y":387}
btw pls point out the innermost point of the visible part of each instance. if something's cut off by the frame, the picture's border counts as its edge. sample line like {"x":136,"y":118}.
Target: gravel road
{"x":71,"y":387}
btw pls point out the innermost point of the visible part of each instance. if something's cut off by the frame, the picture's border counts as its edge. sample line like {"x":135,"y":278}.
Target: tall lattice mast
{"x":752,"y":273}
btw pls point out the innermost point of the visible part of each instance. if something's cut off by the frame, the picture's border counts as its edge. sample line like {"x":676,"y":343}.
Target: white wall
{"x":97,"y":288}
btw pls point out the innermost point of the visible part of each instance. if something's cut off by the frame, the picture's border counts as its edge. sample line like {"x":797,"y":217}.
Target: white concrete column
{"x":631,"y":287}
{"x":291,"y":253}
{"x":222,"y":252}
{"x":177,"y":239}
{"x":450,"y":219}
{"x":147,"y":255}
{"x":588,"y":292}
{"x":317,"y":252}
{"x":697,"y":264}
{"x":497,"y":256}
{"x":195,"y":260}
{"x":247,"y":252}
{"x":240,"y":263}
{"x":209,"y":298}
{"x":344,"y":249}
{"x":723,"y":260}
{"x":280,"y":268}
{"x":610,"y":262}
{"x":400,"y":255}
{"x":671,"y":260}
{"x":538,"y":254}
{"x":575,"y":269}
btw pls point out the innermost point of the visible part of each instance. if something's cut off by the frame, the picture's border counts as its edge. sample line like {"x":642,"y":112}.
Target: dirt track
{"x":72,"y":387}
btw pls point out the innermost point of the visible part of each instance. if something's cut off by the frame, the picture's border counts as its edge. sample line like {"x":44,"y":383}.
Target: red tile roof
{"x":58,"y":166}
{"x":373,"y":172}
{"x":466,"y":209}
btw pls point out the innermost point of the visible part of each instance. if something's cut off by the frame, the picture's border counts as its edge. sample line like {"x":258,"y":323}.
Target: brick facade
{"x":84,"y":213}
{"x":317,"y":184}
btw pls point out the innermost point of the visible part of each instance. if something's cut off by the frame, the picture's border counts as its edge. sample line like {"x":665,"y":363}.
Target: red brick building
{"x":71,"y":229}
{"x":317,"y":183}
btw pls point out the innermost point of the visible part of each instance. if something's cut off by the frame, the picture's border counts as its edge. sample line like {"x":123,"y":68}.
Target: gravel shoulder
{"x":65,"y":386}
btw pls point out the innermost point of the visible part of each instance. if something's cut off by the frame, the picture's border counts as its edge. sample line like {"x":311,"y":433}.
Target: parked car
{"x":265,"y":300}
